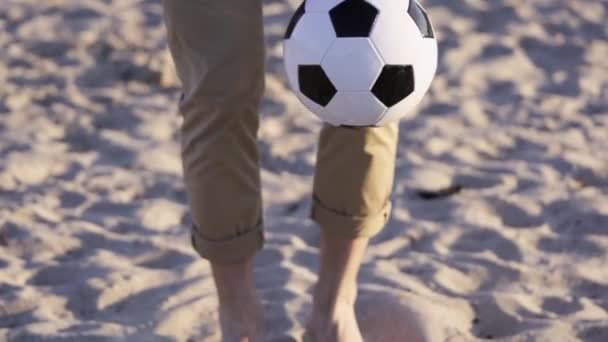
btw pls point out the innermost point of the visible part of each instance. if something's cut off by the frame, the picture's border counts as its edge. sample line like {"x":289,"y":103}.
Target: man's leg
{"x":352,"y":189}
{"x":218,"y":50}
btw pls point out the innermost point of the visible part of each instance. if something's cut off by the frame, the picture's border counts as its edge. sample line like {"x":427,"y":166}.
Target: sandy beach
{"x":94,"y":226}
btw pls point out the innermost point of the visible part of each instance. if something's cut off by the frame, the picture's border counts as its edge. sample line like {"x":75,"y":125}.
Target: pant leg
{"x":354,"y":179}
{"x":218,"y":50}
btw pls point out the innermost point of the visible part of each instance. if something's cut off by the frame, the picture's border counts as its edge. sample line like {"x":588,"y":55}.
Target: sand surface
{"x":94,"y":226}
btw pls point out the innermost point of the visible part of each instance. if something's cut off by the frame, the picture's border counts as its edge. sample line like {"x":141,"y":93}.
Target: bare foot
{"x":333,"y":316}
{"x":337,"y":326}
{"x":242,"y":320}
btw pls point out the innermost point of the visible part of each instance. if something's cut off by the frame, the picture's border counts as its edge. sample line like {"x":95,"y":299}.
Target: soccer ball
{"x":360,"y":62}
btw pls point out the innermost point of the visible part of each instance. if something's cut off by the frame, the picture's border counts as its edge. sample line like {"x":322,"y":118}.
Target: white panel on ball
{"x":315,"y":108}
{"x":394,"y":35}
{"x":294,"y":54}
{"x":321,"y":5}
{"x":424,"y":73}
{"x":426,"y":69}
{"x":384,"y":5}
{"x":354,"y":109}
{"x":352,"y":64}
{"x":314,"y":34}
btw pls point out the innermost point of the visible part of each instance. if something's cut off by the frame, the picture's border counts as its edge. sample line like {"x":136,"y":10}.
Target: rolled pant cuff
{"x":349,"y":226}
{"x":231,"y":250}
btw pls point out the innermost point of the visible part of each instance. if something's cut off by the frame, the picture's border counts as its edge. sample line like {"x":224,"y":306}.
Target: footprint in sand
{"x":501,"y":317}
{"x":480,"y":240}
{"x":561,"y":306}
{"x":518,"y":215}
{"x":168,"y":260}
{"x":594,"y":334}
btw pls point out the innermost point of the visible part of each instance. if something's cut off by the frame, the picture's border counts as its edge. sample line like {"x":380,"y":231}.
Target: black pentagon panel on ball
{"x":315,"y":84}
{"x":421,"y":18}
{"x":353,"y":18}
{"x":294,"y":20}
{"x":394,"y":84}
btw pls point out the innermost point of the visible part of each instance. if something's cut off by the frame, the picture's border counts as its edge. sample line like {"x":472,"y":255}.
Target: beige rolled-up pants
{"x":218,"y":50}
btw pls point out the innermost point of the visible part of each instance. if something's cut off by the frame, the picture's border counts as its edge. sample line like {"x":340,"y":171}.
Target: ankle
{"x":332,"y":302}
{"x":234,"y":283}
{"x":332,"y":314}
{"x":238,"y":304}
